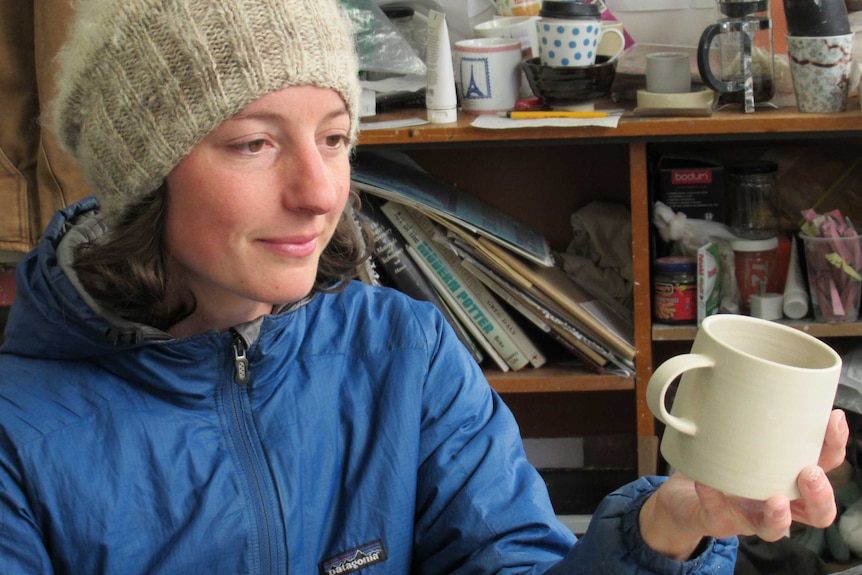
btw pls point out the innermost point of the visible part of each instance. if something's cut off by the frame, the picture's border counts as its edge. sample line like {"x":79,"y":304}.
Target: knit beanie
{"x":141,"y":82}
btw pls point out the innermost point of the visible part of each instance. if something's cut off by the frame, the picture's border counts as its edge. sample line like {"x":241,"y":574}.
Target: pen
{"x":532,"y":114}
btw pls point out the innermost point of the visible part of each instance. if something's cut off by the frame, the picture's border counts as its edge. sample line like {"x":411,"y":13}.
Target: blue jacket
{"x":361,"y":438}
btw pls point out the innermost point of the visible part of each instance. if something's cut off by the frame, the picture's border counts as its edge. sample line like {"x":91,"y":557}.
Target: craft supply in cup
{"x":668,"y":73}
{"x":820,"y":69}
{"x":569,"y":33}
{"x":752,"y":406}
{"x":489,"y":74}
{"x":834,"y":265}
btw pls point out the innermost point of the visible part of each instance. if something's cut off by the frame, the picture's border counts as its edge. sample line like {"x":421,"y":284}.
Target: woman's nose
{"x":311,"y":181}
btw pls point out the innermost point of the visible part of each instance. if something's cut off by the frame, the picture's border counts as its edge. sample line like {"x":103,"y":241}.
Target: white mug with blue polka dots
{"x":572,"y":42}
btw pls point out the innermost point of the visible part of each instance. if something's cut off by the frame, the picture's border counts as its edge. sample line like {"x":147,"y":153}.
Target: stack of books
{"x":492,"y":276}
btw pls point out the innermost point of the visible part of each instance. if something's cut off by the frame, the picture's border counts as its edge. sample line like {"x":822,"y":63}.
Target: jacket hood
{"x":53,"y":318}
{"x":50,"y":318}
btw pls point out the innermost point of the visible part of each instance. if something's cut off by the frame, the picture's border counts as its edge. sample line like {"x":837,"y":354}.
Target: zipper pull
{"x":240,"y":361}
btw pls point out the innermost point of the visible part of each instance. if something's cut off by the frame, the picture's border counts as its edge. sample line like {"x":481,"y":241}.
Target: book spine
{"x":524,"y":343}
{"x":407,"y":222}
{"x":402,"y":273}
{"x":469,"y":325}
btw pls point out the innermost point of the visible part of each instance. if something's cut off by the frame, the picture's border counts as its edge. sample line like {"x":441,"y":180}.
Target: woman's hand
{"x":675,"y":518}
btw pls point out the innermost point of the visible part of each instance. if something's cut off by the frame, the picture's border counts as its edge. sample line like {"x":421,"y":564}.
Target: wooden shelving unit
{"x":542,"y":175}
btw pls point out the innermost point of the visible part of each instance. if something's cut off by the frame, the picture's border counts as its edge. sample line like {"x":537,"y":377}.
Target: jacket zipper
{"x":261,"y":490}
{"x":240,"y":361}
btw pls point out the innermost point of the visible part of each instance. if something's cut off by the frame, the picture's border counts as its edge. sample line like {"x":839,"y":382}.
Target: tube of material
{"x":440,"y":99}
{"x":795,"y":294}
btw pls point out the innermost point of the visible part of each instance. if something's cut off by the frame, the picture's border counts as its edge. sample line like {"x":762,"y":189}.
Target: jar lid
{"x":570,"y":9}
{"x":398,"y":11}
{"x":754,"y":167}
{"x":672,"y":264}
{"x":755,"y":245}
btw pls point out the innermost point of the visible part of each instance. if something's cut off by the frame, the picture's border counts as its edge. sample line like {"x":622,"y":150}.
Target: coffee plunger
{"x":740,"y":43}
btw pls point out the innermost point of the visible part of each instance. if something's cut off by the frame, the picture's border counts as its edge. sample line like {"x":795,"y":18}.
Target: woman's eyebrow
{"x":275,"y":116}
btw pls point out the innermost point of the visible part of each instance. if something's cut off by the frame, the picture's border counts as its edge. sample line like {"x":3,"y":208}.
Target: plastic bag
{"x":688,"y":234}
{"x":381,"y":47}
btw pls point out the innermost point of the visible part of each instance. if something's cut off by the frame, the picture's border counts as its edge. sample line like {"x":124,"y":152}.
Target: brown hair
{"x":126,"y":270}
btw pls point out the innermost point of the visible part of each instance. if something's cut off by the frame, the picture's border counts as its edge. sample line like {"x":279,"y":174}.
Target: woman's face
{"x":252,"y":207}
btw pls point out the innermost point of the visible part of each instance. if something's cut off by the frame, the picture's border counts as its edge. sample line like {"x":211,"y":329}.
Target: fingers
{"x":817,"y":504}
{"x":835,"y":442}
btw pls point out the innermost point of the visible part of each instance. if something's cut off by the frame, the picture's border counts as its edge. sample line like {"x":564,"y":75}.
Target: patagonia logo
{"x":355,"y":559}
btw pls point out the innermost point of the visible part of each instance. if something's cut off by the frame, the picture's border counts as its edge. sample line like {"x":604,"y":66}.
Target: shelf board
{"x":556,"y":379}
{"x":721,"y":125}
{"x":665,"y":332}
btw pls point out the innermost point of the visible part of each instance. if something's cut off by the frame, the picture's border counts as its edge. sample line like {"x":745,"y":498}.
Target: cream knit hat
{"x":141,"y":82}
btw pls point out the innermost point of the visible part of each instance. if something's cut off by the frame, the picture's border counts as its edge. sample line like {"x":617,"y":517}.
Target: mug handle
{"x":622,"y":42}
{"x":660,"y":381}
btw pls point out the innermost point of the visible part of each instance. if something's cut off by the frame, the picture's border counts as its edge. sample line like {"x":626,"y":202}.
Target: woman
{"x":190,"y":382}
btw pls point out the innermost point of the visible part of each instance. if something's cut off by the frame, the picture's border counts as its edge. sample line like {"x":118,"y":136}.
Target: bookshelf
{"x":542,"y":175}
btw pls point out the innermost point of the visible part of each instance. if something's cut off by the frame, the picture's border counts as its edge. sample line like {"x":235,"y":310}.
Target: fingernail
{"x":779,"y":513}
{"x":813,"y":477}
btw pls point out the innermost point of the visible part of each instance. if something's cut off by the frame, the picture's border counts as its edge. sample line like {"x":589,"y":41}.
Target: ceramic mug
{"x":489,"y":74}
{"x":668,"y":73}
{"x":751,"y":408}
{"x":573,"y":42}
{"x":820,"y":70}
{"x":521,"y":27}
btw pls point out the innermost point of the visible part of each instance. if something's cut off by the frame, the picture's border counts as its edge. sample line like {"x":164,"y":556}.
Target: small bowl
{"x":564,"y":86}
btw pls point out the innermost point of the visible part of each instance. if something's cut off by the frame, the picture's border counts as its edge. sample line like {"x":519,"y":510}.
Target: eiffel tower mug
{"x":488,"y":74}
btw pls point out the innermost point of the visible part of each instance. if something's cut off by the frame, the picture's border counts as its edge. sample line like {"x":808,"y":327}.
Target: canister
{"x":756,"y":268}
{"x":752,"y":192}
{"x":675,"y":289}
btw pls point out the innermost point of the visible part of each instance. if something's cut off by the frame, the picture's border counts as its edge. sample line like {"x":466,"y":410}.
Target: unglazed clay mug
{"x":668,"y":73}
{"x":751,"y":408}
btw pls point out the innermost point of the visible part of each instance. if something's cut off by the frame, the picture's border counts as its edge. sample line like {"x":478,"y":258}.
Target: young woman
{"x":190,"y":382}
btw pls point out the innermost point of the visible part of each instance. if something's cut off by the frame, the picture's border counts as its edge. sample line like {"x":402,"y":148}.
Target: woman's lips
{"x":296,"y":247}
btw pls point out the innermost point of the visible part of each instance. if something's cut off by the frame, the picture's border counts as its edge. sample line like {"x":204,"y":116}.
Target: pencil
{"x":532,"y":114}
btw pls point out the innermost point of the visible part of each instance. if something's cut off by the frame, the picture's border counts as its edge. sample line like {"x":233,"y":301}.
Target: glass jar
{"x":752,"y":192}
{"x":756,"y":267}
{"x":675,"y":289}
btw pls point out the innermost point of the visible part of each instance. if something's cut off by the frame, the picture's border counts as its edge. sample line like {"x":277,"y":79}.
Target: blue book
{"x":401,"y":182}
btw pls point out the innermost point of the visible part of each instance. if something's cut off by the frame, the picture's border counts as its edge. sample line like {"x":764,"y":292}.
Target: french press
{"x":740,"y":43}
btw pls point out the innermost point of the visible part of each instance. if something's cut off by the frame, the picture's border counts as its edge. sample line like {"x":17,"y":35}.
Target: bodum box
{"x":693,"y":186}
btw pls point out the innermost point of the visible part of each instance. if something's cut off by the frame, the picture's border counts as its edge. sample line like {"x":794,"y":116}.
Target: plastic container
{"x":752,"y":191}
{"x":675,"y":289}
{"x":756,"y":268}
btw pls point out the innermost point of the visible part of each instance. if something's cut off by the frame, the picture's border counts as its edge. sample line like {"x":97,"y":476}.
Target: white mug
{"x":489,"y":74}
{"x":521,"y":27}
{"x":573,"y":42}
{"x":752,"y":406}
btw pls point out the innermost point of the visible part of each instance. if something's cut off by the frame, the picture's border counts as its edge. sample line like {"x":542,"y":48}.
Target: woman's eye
{"x":251,"y":147}
{"x":336,"y":141}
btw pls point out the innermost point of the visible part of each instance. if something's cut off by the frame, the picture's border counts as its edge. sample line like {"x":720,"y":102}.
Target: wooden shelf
{"x":542,"y":174}
{"x":664,"y":332}
{"x":556,"y":379}
{"x":785,"y":122}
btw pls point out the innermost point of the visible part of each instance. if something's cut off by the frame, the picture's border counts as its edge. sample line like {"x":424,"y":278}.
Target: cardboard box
{"x":693,"y":186}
